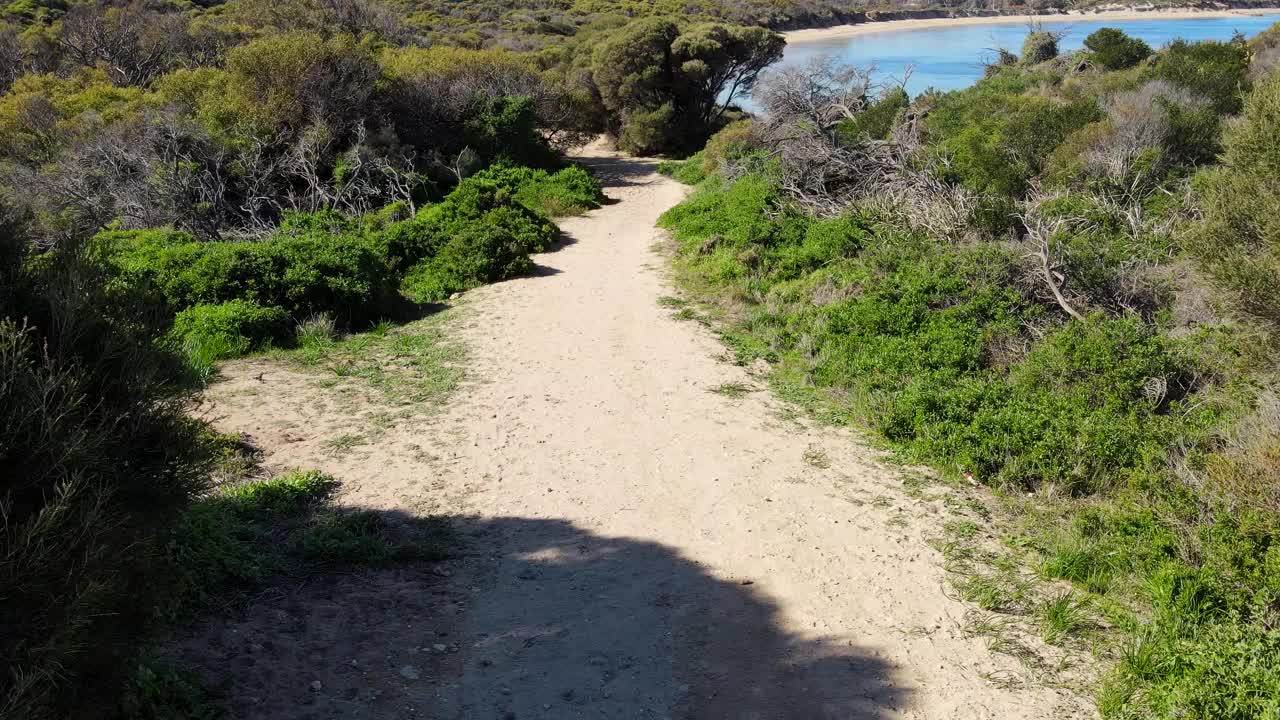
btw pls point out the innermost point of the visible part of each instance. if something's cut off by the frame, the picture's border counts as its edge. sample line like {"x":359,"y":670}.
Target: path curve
{"x":644,"y":547}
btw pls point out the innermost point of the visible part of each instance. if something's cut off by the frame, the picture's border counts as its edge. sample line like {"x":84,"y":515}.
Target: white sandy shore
{"x":879,"y":26}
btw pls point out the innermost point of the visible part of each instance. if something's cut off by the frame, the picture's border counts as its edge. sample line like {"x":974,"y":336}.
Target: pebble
{"x":316,"y":685}
{"x":409,"y":672}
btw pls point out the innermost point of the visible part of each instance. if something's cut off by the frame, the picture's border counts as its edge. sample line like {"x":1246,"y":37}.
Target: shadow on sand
{"x":531,"y":618}
{"x":614,"y":172}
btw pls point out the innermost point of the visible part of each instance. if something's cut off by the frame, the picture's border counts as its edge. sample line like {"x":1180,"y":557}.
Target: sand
{"x":842,"y":31}
{"x":642,"y":530}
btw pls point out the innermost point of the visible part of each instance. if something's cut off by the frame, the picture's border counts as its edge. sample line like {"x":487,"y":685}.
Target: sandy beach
{"x":879,"y":26}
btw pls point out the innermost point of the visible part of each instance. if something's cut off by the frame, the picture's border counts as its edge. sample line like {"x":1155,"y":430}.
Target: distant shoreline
{"x":873,"y":25}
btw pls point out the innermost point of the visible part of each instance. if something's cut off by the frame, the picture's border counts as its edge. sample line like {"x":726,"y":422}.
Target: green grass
{"x":412,"y":363}
{"x":1061,"y":616}
{"x":157,"y":690}
{"x":344,"y":443}
{"x":734,"y":390}
{"x":289,"y":493}
{"x":362,"y":538}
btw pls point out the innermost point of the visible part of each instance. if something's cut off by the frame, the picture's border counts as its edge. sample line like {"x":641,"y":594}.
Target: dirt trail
{"x":638,"y":545}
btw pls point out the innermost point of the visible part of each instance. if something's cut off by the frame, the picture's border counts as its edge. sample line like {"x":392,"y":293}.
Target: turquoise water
{"x":952,"y":58}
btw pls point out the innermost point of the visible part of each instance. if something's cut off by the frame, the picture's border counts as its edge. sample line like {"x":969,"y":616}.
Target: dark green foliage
{"x":1113,"y":50}
{"x":731,"y":144}
{"x":910,"y":327}
{"x":1216,"y":71}
{"x":479,"y":234}
{"x":998,"y":141}
{"x":877,"y":120}
{"x":361,"y":537}
{"x":159,"y":691}
{"x":95,"y":455}
{"x":231,"y":295}
{"x":504,"y":130}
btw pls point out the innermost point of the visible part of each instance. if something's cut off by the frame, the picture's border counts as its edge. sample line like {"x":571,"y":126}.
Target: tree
{"x":672,"y":85}
{"x":719,"y":62}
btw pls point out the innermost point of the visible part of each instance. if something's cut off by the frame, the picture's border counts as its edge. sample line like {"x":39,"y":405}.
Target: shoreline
{"x":932,"y":23}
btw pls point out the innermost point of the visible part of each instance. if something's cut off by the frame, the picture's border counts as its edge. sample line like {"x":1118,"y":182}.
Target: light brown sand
{"x":635,"y":544}
{"x":840,"y":31}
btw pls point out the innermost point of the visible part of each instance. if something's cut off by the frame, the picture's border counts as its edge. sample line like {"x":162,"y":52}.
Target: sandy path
{"x":639,"y":546}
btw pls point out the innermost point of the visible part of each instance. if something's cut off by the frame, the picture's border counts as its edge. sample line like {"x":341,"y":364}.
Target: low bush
{"x":97,"y":455}
{"x":302,"y":273}
{"x":570,"y":191}
{"x":877,"y":120}
{"x":688,"y":171}
{"x":1239,"y":240}
{"x":478,"y":234}
{"x":996,"y":142}
{"x":1216,"y":71}
{"x":228,"y":329}
{"x":228,"y":295}
{"x":1113,"y":50}
{"x":1039,"y":46}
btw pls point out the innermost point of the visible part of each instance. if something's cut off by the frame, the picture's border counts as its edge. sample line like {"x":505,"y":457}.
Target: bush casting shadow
{"x":536,"y":618}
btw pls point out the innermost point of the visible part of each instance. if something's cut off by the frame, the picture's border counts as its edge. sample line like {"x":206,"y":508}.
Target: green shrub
{"x":1040,"y":46}
{"x":649,"y":131}
{"x":1113,"y":50}
{"x":998,"y":142}
{"x":504,"y":130}
{"x":470,"y":257}
{"x":876,"y":121}
{"x":302,"y":273}
{"x":230,"y":329}
{"x":98,"y":457}
{"x":478,"y":234}
{"x":1239,"y":240}
{"x":733,"y":142}
{"x":688,"y":171}
{"x":1216,"y":71}
{"x":1087,"y":406}
{"x":570,"y":191}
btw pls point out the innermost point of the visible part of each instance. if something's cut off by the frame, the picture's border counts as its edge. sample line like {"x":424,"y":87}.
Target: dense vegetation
{"x":182,"y":184}
{"x":1065,"y":283}
{"x":1049,"y":280}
